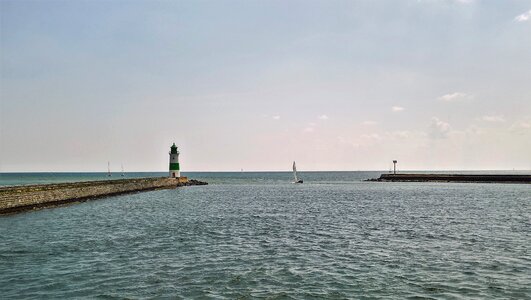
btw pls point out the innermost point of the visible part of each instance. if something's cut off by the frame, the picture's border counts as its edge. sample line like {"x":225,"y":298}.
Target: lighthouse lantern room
{"x":174,"y":162}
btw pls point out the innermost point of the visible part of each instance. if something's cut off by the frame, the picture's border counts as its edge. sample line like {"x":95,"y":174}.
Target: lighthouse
{"x":174,"y":162}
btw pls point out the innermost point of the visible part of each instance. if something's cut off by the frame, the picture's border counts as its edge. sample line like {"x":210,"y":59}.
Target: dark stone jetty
{"x":27,"y":197}
{"x":494,"y":178}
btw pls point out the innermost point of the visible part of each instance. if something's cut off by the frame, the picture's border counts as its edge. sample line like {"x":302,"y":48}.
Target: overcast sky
{"x":334,"y":85}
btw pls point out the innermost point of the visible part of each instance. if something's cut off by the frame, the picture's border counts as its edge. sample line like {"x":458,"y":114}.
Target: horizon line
{"x":271,"y":171}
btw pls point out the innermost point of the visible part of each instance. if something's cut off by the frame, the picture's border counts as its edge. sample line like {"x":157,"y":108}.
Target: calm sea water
{"x":256,"y":235}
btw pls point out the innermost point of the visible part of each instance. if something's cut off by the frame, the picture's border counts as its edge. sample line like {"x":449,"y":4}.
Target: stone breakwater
{"x":26,"y":197}
{"x":494,"y":178}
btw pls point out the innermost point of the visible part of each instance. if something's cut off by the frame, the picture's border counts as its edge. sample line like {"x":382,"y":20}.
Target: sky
{"x":255,"y":85}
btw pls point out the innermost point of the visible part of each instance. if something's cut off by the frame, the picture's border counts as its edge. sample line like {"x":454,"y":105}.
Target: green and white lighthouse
{"x":175,"y":171}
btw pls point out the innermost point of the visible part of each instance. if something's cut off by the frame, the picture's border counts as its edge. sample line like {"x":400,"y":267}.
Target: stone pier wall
{"x":18,"y":198}
{"x":497,"y":178}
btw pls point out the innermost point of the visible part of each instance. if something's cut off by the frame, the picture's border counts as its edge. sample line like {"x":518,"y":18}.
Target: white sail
{"x":295,"y":172}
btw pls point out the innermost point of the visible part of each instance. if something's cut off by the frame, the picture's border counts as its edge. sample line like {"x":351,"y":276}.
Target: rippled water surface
{"x":251,"y":235}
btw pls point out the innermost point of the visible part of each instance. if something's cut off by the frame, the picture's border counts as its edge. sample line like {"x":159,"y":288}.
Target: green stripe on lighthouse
{"x":174,"y":166}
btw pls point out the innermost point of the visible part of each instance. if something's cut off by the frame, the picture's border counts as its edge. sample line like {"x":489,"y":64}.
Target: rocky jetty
{"x":27,"y":197}
{"x":494,"y":178}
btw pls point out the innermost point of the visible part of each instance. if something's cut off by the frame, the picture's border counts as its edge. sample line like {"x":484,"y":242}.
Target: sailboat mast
{"x":295,"y":172}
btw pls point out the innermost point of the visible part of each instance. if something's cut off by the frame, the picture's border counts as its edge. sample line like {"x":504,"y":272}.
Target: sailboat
{"x":123,"y":174}
{"x":109,"y":169}
{"x":296,"y":180}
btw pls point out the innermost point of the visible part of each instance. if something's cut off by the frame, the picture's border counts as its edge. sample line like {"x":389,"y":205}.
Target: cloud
{"x":323,"y":117}
{"x":310,"y":127}
{"x":369,"y":123}
{"x":474,"y":130}
{"x":493,"y":118}
{"x":521,"y":127}
{"x":524,"y":125}
{"x":397,"y":108}
{"x":345,"y":141}
{"x":371,"y":136}
{"x":523,"y":17}
{"x":401,"y":134}
{"x":457,"y":96}
{"x":276,"y":117}
{"x":439,"y":129}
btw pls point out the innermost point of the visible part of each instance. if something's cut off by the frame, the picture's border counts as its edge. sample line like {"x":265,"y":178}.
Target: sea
{"x":255,"y":235}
